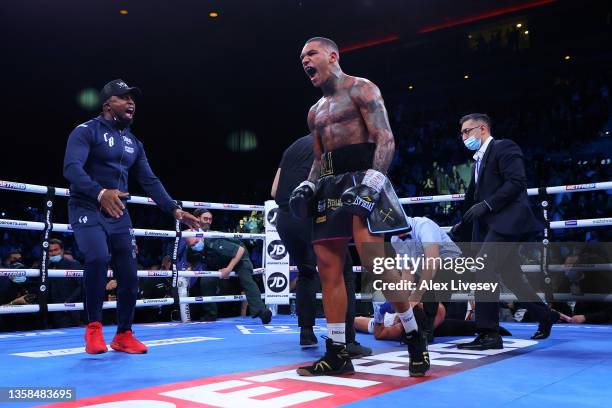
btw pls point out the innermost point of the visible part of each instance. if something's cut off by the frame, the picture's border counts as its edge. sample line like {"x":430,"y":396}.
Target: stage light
{"x":519,"y":25}
{"x":567,"y":58}
{"x":123,"y":12}
{"x":410,"y":87}
{"x":466,"y":76}
{"x":213,"y":14}
{"x":88,"y":99}
{"x":242,"y":141}
{"x":526,"y":32}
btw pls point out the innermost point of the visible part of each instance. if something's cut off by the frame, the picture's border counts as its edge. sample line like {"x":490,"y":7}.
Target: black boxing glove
{"x":301,"y":200}
{"x":361,"y":199}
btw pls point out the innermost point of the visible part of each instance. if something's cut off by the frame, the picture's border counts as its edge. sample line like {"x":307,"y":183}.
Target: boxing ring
{"x":238,"y":362}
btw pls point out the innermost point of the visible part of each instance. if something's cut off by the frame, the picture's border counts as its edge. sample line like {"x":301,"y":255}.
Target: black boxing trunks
{"x":341,"y":169}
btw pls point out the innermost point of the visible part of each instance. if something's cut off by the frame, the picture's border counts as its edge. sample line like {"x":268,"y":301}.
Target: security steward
{"x":226,"y":256}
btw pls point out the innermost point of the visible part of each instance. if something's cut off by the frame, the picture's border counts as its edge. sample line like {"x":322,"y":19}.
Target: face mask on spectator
{"x":18,"y":279}
{"x":198,"y":247}
{"x":55,"y":258}
{"x":472,"y":143}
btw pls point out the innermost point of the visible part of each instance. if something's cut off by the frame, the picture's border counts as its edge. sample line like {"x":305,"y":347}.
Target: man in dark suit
{"x":501,"y":216}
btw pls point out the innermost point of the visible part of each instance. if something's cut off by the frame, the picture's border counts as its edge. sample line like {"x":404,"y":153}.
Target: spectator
{"x":63,"y":290}
{"x":192,"y":256}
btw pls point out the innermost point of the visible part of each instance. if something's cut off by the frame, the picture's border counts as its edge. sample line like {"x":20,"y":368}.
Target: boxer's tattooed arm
{"x":317,"y":146}
{"x":370,"y":102}
{"x":315,"y":170}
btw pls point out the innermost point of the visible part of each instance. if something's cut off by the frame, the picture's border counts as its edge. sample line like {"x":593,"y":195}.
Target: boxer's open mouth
{"x":310,"y":71}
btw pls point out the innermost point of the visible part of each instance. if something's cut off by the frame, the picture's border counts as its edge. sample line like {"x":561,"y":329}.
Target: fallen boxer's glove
{"x":379,"y":312}
{"x":361,"y":199}
{"x":300,"y":201}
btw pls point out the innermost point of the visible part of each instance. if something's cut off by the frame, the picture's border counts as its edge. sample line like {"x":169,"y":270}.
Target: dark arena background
{"x":224,"y":93}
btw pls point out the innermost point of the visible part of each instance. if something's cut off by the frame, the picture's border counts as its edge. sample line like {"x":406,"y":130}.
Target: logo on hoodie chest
{"x":127,"y":142}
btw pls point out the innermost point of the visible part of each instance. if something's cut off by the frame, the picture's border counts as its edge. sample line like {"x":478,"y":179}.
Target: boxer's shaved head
{"x":331,"y":44}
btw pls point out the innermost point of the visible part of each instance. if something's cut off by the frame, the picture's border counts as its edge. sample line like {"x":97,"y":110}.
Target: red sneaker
{"x":127,"y":343}
{"x":94,"y":341}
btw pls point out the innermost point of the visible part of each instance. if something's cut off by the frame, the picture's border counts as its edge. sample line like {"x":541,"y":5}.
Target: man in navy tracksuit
{"x":99,"y":156}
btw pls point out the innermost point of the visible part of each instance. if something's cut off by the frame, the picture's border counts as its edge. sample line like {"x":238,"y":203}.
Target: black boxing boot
{"x":300,"y":201}
{"x":417,"y":346}
{"x":336,"y":361}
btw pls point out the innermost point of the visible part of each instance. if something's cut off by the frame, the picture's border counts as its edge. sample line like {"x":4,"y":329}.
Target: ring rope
{"x":571,"y":188}
{"x":64,"y":192}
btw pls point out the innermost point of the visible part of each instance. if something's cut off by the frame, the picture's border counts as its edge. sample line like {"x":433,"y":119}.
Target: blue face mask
{"x":55,"y":258}
{"x":472,"y":143}
{"x":198,"y":247}
{"x":18,"y":279}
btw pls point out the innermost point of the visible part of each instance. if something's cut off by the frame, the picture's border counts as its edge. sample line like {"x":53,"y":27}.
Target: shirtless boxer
{"x":349,"y":196}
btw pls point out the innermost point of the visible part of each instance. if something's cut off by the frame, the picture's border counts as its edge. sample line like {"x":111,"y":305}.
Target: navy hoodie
{"x":98,"y":156}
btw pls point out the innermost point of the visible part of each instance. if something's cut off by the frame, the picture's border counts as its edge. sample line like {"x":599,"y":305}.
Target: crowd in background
{"x":564,"y":133}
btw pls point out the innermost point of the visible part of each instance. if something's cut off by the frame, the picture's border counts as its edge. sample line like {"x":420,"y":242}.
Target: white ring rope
{"x":68,"y":307}
{"x":139,"y":232}
{"x":78,"y":273}
{"x":571,"y":188}
{"x":64,"y":192}
{"x":145,"y":273}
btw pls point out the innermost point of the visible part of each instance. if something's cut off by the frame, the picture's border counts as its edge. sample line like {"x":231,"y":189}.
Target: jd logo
{"x":277,"y":250}
{"x":272,"y":216}
{"x":277,"y":282}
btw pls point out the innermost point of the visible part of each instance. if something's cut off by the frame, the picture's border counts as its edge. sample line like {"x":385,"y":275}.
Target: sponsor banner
{"x":604,"y":221}
{"x":9,"y":185}
{"x":276,"y":260}
{"x":580,"y":187}
{"x":281,"y":386}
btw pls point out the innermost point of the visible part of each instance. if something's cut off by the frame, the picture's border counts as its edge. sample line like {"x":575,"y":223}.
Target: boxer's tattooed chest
{"x":338,"y":121}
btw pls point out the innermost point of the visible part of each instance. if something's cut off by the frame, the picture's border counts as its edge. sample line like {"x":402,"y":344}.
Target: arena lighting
{"x":483,"y":16}
{"x":567,"y":57}
{"x":213,"y":14}
{"x":519,"y":25}
{"x":466,"y":76}
{"x":88,"y":99}
{"x":526,"y":32}
{"x":370,"y":43}
{"x":411,"y":87}
{"x":123,"y":12}
{"x":241,"y":141}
